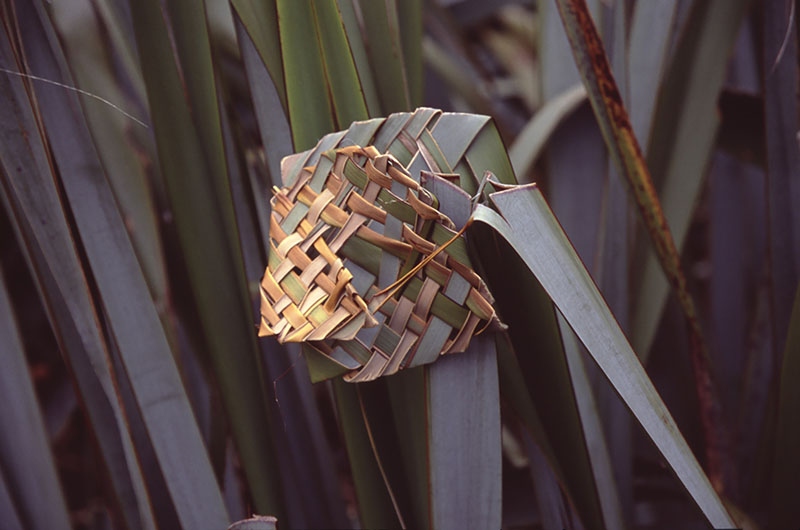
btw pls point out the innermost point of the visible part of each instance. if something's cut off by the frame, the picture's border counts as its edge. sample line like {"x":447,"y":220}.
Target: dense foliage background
{"x":134,"y":391}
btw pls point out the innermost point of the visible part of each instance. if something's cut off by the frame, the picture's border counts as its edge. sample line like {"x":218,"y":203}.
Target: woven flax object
{"x":363,"y":267}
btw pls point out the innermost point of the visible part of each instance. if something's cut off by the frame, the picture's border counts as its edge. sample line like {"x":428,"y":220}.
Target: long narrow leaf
{"x":7,"y":509}
{"x":85,"y":47}
{"x":622,"y":144}
{"x":679,"y":147}
{"x":593,"y":432}
{"x":260,"y":18}
{"x":464,"y":431}
{"x":385,"y":48}
{"x":537,"y":379}
{"x":386,"y":442}
{"x":408,"y":392}
{"x":359,"y":50}
{"x":41,"y":228}
{"x":458,"y":78}
{"x":164,"y":509}
{"x":783,"y":168}
{"x":553,"y":509}
{"x":533,"y":137}
{"x":783,"y":160}
{"x":651,"y":30}
{"x":375,"y":503}
{"x":527,"y":223}
{"x":625,"y":151}
{"x":307,"y":467}
{"x":190,"y":155}
{"x":614,"y":254}
{"x":340,"y":69}
{"x":535,"y":376}
{"x":270,"y":114}
{"x":410,"y":18}
{"x":785,"y":511}
{"x":613,"y":273}
{"x":465,"y":469}
{"x":25,"y":456}
{"x":576,"y":150}
{"x":115,"y":22}
{"x":310,"y":112}
{"x":132,"y":316}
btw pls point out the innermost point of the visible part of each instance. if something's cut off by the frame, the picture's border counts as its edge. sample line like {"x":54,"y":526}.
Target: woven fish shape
{"x":366,"y":271}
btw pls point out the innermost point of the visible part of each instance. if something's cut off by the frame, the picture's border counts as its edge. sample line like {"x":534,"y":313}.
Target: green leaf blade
{"x":782,"y":161}
{"x":127,"y":171}
{"x":615,"y":125}
{"x":533,"y":137}
{"x":360,"y":58}
{"x":385,"y":49}
{"x":410,"y":21}
{"x":527,"y":223}
{"x":465,"y":469}
{"x":785,"y":512}
{"x":193,"y":164}
{"x":42,"y":229}
{"x":650,"y":33}
{"x":683,"y":130}
{"x":132,"y":316}
{"x":25,"y":457}
{"x":376,"y":508}
{"x":270,"y":113}
{"x":310,"y":111}
{"x":260,"y":19}
{"x":535,"y":375}
{"x":340,"y":69}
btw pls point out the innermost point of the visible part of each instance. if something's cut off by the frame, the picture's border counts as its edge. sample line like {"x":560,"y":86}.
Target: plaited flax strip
{"x":364,"y":268}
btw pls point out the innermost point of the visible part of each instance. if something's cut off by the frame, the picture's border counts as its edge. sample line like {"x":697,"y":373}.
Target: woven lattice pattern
{"x":365,"y":269}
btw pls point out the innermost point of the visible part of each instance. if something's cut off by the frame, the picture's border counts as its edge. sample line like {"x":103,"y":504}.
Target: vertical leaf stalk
{"x":623,"y":147}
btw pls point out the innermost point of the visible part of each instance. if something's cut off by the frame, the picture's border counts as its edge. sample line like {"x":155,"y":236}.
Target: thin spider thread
{"x":786,"y":37}
{"x":79,"y":91}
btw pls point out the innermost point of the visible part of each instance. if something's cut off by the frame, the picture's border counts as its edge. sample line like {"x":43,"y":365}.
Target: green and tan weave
{"x":364,"y":268}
